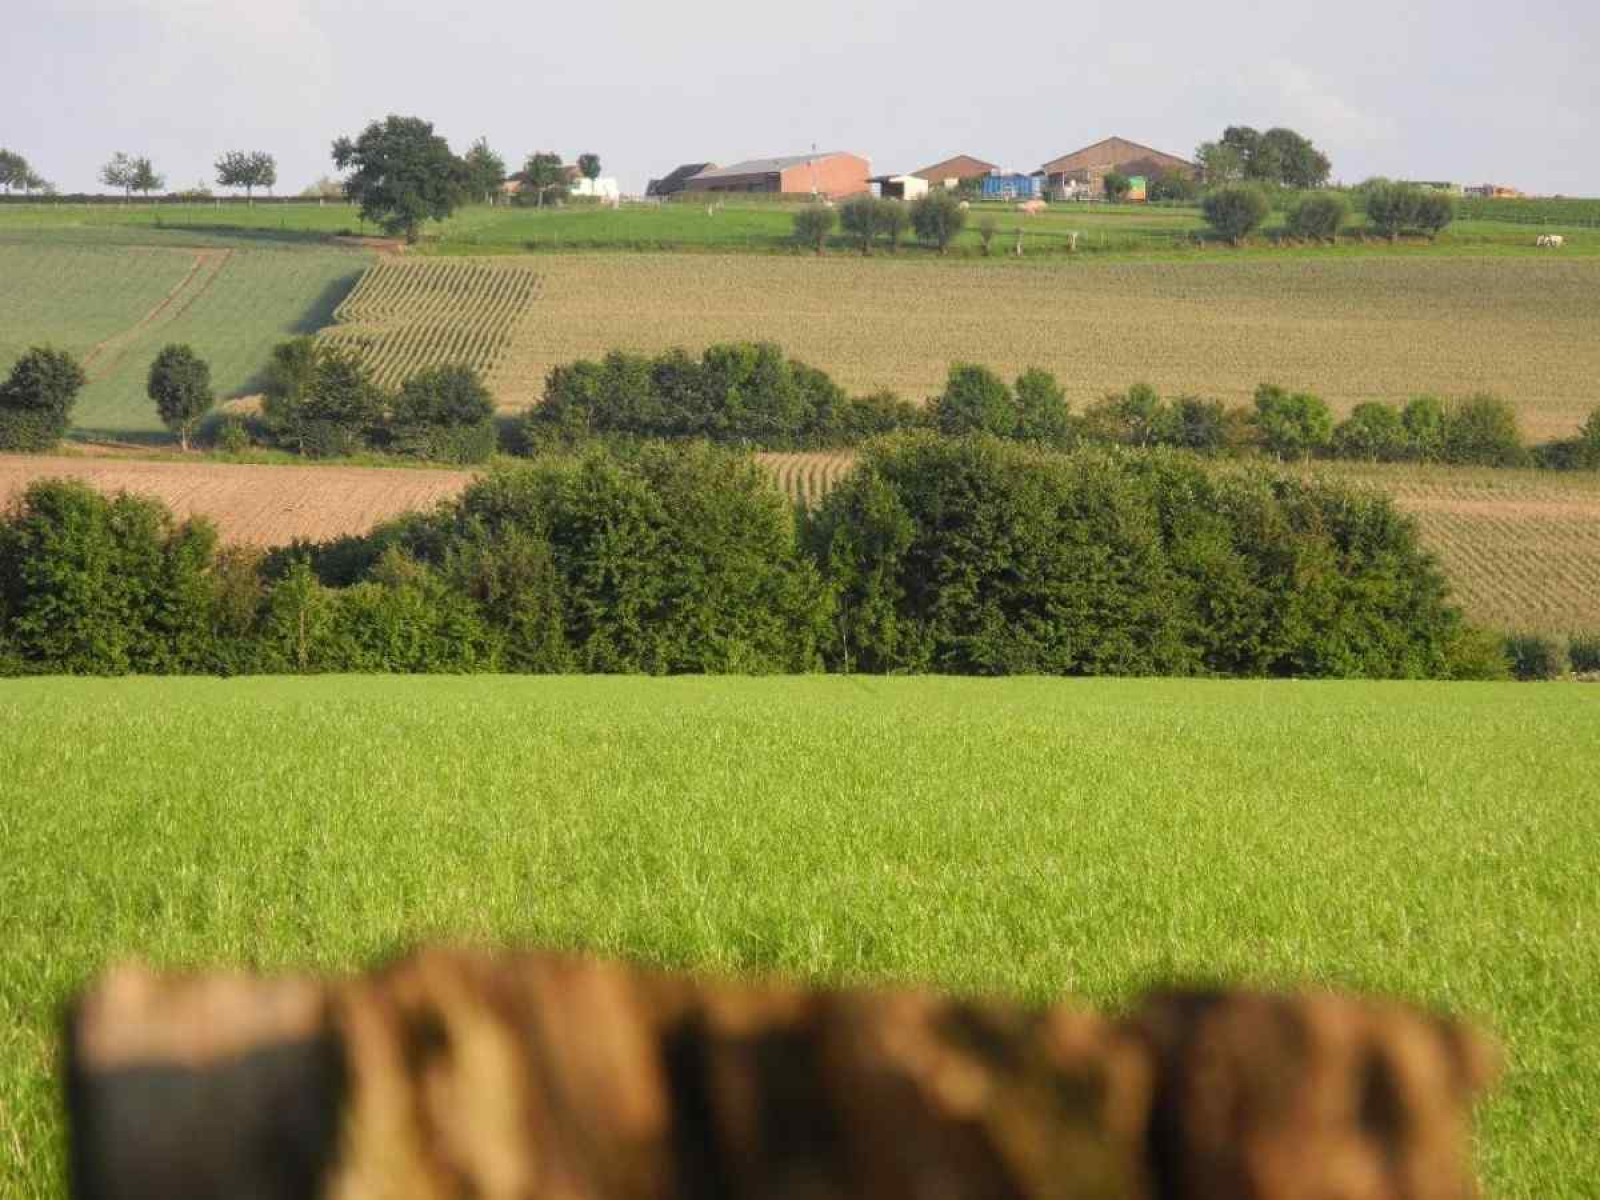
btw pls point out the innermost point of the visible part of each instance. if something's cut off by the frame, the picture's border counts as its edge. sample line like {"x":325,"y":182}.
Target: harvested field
{"x":252,"y":505}
{"x":1348,"y":329}
{"x":1522,"y":548}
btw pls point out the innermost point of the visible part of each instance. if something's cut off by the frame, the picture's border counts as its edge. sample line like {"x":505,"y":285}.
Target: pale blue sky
{"x":1415,"y":89}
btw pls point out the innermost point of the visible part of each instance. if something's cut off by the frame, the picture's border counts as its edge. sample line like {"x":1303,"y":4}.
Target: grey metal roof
{"x":766,"y":166}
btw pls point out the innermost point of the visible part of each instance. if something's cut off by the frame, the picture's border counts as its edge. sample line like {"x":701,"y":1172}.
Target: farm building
{"x":953,"y":170}
{"x":1083,"y":171}
{"x":899,"y":187}
{"x":1493,"y":191}
{"x":832,"y":174}
{"x":673,"y":182}
{"x":1010,"y":186}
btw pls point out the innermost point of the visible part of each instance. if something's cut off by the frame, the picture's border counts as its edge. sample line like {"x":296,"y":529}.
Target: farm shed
{"x":953,"y":170}
{"x":1010,"y":186}
{"x":900,"y":187}
{"x":673,"y":182}
{"x":831,"y":173}
{"x":1084,"y":171}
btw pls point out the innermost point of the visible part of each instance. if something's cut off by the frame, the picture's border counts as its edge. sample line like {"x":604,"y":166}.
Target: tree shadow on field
{"x":316,"y":315}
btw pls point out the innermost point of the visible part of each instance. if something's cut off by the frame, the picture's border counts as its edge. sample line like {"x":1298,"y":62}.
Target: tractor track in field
{"x":107,"y":353}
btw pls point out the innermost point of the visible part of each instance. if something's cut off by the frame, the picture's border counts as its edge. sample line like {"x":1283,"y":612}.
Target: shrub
{"x":937,"y":217}
{"x":232,"y":435}
{"x":36,"y":399}
{"x":1318,"y":216}
{"x":1136,"y":417}
{"x":813,"y":224}
{"x":443,"y":413}
{"x":1482,"y":430}
{"x":320,"y":399}
{"x":1235,"y":211}
{"x":97,"y":585}
{"x":975,"y":400}
{"x":1117,"y":185}
{"x":1583,"y":651}
{"x":1196,"y":424}
{"x":1374,"y":433}
{"x":1424,"y":421}
{"x":1172,"y":186}
{"x":1293,"y":425}
{"x":1479,"y":655}
{"x":1534,"y":656}
{"x":180,"y":384}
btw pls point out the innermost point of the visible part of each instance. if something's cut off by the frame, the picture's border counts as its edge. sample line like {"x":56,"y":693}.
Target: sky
{"x":1419,"y":89}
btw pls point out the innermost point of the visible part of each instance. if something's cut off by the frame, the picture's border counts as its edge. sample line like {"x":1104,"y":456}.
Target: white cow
{"x":1553,"y":240}
{"x":1030,"y":207}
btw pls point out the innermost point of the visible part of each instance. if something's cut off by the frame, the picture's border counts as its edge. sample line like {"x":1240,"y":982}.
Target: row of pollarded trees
{"x":1237,"y":210}
{"x":936,"y":217}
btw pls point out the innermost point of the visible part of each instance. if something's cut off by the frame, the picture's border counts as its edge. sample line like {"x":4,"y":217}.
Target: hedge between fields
{"x":750,"y":395}
{"x":968,"y":556}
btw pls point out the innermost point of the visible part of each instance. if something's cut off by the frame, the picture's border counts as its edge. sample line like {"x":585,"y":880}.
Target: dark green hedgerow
{"x":954,"y":555}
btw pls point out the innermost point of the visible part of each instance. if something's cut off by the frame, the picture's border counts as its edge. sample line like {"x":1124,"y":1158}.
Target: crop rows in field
{"x":407,"y":314}
{"x":807,"y":478}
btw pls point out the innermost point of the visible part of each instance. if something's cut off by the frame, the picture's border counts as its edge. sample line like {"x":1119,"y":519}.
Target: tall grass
{"x":1039,"y":838}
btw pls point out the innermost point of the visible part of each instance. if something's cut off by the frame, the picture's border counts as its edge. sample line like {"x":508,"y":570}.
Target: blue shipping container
{"x":1011,"y":187}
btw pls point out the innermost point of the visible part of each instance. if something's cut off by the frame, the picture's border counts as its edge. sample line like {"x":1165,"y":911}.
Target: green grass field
{"x":116,"y":306}
{"x":1039,"y":838}
{"x":1104,"y":229}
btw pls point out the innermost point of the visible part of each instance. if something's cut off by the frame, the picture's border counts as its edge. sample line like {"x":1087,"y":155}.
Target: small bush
{"x":1236,"y":211}
{"x":1482,"y":430}
{"x":1583,"y":651}
{"x":233,"y":435}
{"x":1318,"y":216}
{"x":1479,"y":655}
{"x":813,"y":224}
{"x":36,"y":399}
{"x":858,"y":217}
{"x":1373,"y":433}
{"x":320,"y":399}
{"x":1424,"y":421}
{"x":1434,"y":211}
{"x":1292,"y":424}
{"x":1534,"y":656}
{"x":444,"y":414}
{"x":1393,"y":208}
{"x":893,"y":221}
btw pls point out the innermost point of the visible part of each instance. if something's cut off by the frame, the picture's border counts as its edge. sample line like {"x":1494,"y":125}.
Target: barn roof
{"x":962,"y":166}
{"x":767,"y":166}
{"x":1056,"y":164}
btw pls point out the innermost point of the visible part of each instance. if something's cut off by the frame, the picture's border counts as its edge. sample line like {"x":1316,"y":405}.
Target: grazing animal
{"x":1031,"y":207}
{"x":1553,"y":241}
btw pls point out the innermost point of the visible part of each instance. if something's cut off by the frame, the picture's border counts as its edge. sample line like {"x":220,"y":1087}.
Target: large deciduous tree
{"x":36,"y":399}
{"x":1279,"y":156}
{"x":402,"y":174}
{"x":486,"y":170}
{"x":248,"y":169}
{"x":589,"y":166}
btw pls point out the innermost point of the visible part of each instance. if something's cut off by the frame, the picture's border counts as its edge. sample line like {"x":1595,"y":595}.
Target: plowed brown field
{"x":1522,"y":548}
{"x":254,"y":505}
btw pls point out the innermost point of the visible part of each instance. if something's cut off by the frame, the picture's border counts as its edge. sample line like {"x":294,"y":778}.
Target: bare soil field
{"x":1522,"y":548}
{"x":250,"y":504}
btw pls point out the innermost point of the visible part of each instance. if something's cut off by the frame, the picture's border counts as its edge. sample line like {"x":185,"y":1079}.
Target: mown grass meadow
{"x":1040,"y":838}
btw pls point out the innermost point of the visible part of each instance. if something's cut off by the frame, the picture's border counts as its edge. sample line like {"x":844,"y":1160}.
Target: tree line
{"x":321,"y":400}
{"x":950,"y":555}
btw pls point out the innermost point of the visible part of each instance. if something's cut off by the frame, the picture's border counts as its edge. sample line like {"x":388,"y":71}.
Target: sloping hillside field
{"x":1041,"y":838}
{"x":1348,"y":329}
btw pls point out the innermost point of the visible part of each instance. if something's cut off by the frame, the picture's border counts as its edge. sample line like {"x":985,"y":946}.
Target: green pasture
{"x":731,"y":225}
{"x":78,"y":296}
{"x":1038,"y":838}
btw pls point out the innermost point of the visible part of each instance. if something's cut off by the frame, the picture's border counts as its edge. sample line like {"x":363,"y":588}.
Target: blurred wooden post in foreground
{"x":517,"y":1077}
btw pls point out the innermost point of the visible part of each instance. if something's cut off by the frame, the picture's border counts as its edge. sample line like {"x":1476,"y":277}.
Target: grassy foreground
{"x":1041,"y":838}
